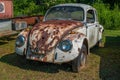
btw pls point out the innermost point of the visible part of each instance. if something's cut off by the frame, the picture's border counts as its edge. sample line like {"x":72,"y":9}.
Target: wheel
{"x":79,"y":62}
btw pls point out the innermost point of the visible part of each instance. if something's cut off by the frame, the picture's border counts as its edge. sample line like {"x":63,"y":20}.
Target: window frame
{"x":93,"y":14}
{"x":45,"y":18}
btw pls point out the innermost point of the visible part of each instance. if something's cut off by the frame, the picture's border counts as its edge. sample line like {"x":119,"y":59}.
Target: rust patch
{"x":25,"y":33}
{"x":47,"y":34}
{"x":74,"y":35}
{"x":31,"y":20}
{"x":45,"y":59}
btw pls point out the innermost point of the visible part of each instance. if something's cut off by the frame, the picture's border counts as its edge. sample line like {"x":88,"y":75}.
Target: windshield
{"x":65,"y":13}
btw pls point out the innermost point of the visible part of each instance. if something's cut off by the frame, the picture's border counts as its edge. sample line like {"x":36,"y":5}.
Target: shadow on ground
{"x":4,"y":40}
{"x":21,"y":62}
{"x":109,"y":58}
{"x":109,"y":62}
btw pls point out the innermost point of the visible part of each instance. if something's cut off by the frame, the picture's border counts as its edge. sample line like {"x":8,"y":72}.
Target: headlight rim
{"x":18,"y":39}
{"x":60,"y":45}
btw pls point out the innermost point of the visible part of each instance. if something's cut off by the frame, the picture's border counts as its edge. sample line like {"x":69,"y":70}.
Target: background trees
{"x":108,"y":10}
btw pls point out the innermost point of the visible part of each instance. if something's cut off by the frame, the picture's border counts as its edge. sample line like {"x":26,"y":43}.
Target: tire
{"x":79,"y":62}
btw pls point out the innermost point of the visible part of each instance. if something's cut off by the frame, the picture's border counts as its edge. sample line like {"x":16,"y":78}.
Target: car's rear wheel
{"x":79,"y":62}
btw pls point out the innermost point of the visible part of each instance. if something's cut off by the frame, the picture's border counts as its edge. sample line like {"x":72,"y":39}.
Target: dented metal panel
{"x":31,"y":20}
{"x":77,"y":41}
{"x":49,"y":57}
{"x":22,"y":50}
{"x":46,"y":35}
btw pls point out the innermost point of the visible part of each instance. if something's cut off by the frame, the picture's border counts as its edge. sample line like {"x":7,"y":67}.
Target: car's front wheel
{"x":79,"y":62}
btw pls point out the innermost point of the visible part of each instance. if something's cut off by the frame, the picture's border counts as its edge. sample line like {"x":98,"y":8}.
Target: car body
{"x":66,"y":34}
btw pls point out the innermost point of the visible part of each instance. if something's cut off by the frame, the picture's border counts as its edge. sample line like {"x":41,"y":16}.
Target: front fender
{"x":77,"y":41}
{"x":22,"y":50}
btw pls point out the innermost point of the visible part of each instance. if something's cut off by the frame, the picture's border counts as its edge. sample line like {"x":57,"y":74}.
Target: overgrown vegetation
{"x":35,"y":7}
{"x":108,"y":10}
{"x":109,"y":18}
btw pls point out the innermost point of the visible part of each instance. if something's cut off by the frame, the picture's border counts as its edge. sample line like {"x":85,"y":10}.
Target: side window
{"x":90,"y":16}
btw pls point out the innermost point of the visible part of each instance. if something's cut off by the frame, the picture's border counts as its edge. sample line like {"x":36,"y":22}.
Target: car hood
{"x":45,"y":35}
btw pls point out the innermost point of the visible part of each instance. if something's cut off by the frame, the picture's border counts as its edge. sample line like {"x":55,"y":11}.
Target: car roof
{"x":84,"y":6}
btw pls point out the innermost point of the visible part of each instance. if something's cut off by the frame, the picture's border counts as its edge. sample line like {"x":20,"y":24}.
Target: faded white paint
{"x":90,"y":31}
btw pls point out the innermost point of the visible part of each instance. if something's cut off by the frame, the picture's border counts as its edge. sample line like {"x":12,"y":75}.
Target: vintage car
{"x":67,"y":33}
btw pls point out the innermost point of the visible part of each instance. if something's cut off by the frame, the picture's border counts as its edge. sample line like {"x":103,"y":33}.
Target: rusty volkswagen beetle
{"x":66,"y":34}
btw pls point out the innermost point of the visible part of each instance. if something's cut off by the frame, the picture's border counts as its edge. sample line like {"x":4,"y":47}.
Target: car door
{"x":92,"y":29}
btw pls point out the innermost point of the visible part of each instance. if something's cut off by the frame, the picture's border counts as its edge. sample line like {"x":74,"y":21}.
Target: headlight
{"x":65,"y":45}
{"x":20,"y":41}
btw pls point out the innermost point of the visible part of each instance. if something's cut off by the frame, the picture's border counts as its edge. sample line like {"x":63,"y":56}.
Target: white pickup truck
{"x":67,"y":33}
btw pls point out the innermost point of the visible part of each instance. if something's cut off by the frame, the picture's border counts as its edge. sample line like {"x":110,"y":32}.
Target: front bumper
{"x":54,"y":56}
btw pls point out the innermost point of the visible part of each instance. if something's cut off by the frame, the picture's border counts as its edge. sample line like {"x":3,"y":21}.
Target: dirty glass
{"x":65,"y":13}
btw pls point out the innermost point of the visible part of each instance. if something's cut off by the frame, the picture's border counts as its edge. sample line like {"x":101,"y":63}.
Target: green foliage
{"x":108,"y":18}
{"x":24,"y":7}
{"x":116,"y":17}
{"x":29,"y":7}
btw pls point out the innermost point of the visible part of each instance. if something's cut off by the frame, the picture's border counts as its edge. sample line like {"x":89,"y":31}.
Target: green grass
{"x":103,"y":63}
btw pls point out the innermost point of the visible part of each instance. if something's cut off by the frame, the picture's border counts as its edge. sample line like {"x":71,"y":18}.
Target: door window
{"x":90,"y":16}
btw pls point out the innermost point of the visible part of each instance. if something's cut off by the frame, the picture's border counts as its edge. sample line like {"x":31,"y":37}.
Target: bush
{"x":29,"y":7}
{"x":108,"y":18}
